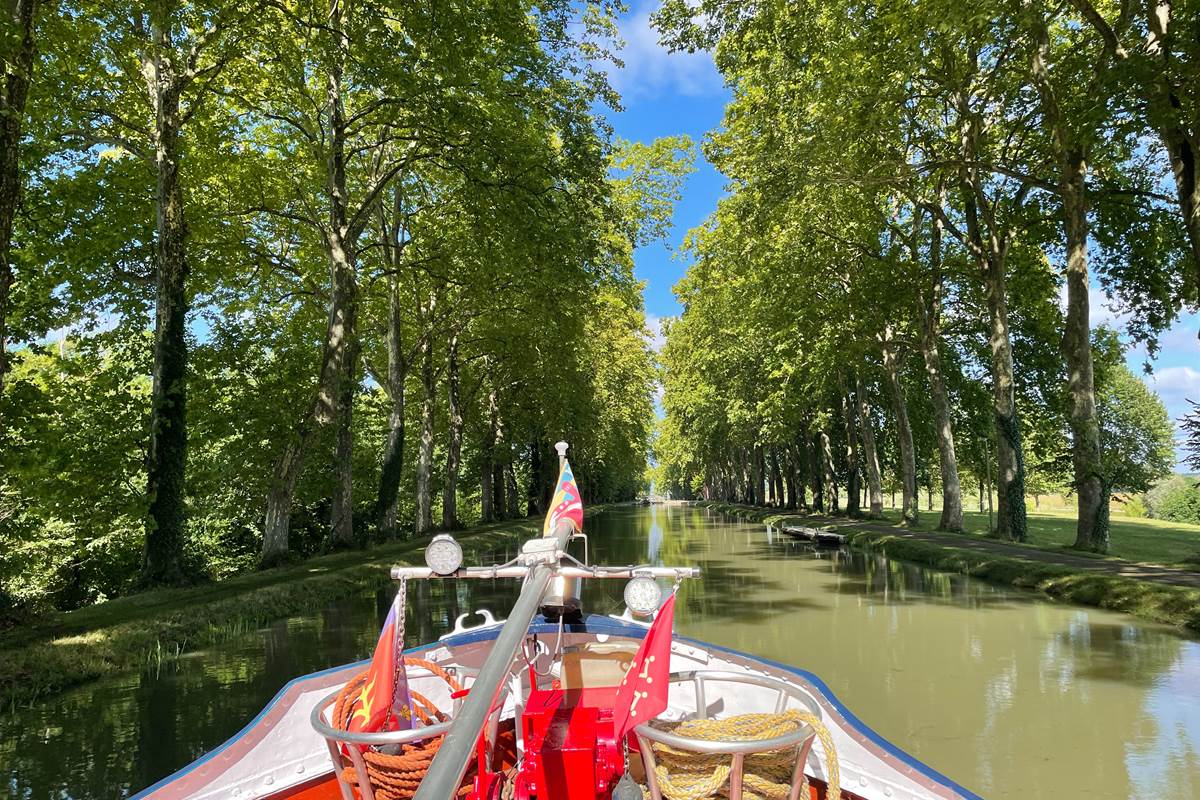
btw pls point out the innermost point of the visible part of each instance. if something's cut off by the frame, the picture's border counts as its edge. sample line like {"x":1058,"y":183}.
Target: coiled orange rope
{"x":394,"y":777}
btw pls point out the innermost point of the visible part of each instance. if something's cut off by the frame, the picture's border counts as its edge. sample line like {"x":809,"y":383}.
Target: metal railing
{"x":454,"y":756}
{"x":737,"y":749}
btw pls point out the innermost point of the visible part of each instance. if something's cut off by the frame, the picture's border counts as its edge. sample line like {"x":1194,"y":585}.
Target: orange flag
{"x":384,"y":697}
{"x":642,"y":695}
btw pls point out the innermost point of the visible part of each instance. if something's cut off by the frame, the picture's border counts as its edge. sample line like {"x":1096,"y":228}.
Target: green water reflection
{"x":1006,"y":693}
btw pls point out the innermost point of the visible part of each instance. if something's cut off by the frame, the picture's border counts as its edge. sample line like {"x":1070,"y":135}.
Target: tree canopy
{"x":285,"y":277}
{"x":911,"y":189}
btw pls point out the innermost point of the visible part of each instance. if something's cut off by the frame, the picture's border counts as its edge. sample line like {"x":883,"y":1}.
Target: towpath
{"x":1117,"y":567}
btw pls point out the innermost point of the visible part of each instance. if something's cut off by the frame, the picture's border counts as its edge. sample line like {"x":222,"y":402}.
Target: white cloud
{"x":1176,"y":383}
{"x":1101,"y":310}
{"x":651,"y":70}
{"x":654,"y":324}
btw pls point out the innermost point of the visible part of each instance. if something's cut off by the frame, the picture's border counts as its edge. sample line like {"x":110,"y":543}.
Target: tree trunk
{"x":1010,"y":461}
{"x":454,"y":438}
{"x":772,"y":470}
{"x":14,"y":89}
{"x":777,"y":477}
{"x":342,"y":515}
{"x":828,"y":475}
{"x":511,"y":493}
{"x":816,"y":473}
{"x":790,"y":477}
{"x":929,"y":314}
{"x":952,"y":512}
{"x":533,"y":493}
{"x":166,"y":461}
{"x":1180,"y":136}
{"x":392,"y":467}
{"x":340,"y":323}
{"x":285,"y":473}
{"x":852,"y":477}
{"x":756,"y":497}
{"x":910,"y":513}
{"x":487,"y":505}
{"x":424,"y":511}
{"x":870,"y":453}
{"x":1091,"y":532}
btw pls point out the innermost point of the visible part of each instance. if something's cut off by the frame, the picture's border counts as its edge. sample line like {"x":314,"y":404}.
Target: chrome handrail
{"x":448,"y":767}
{"x":371,"y":738}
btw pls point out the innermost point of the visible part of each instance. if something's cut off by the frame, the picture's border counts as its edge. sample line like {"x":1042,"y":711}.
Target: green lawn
{"x":1148,"y":540}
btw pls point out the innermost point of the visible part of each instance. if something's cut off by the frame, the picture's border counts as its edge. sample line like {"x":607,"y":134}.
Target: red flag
{"x":378,"y":693}
{"x":642,"y":695}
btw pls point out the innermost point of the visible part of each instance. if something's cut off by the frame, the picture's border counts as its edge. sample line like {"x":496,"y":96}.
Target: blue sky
{"x":667,"y":94}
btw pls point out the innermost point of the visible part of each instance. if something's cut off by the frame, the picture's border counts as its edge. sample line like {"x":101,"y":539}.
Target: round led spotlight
{"x":643,"y":595}
{"x":443,"y":555}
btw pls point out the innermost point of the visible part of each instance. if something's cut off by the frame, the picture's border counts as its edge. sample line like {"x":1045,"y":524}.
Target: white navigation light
{"x":443,"y":555}
{"x":643,"y":595}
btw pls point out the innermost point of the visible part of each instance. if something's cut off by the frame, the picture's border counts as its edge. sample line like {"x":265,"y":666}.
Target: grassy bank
{"x":1173,"y":605}
{"x":68,"y":649}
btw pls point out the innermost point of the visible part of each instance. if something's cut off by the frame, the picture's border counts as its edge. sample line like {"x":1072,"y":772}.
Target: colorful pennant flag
{"x":384,"y":700}
{"x":642,"y":695}
{"x":566,"y":503}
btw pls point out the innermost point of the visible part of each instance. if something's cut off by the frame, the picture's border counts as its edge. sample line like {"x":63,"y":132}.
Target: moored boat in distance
{"x":554,"y":704}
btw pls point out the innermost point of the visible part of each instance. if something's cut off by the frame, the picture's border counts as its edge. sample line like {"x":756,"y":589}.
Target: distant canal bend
{"x":1011,"y":695}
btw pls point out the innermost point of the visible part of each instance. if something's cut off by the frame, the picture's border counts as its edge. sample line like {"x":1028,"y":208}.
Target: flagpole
{"x":450,"y":764}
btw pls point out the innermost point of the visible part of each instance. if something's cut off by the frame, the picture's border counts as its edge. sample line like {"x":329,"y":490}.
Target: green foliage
{"x":1177,"y":499}
{"x":1135,"y":507}
{"x":475,"y":196}
{"x":1189,"y":425}
{"x":1136,"y":434}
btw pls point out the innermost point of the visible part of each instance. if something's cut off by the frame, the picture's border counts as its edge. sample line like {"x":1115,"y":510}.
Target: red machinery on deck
{"x":571,"y":751}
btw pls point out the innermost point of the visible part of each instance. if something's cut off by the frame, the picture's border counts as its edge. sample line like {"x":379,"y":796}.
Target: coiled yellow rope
{"x":687,"y":775}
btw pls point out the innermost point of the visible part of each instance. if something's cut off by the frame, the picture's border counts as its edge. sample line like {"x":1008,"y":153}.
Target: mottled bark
{"x":828,"y":475}
{"x":487,"y":468}
{"x":285,"y":473}
{"x":910,"y":511}
{"x":511,"y":494}
{"x":392,"y":465}
{"x":1010,"y":459}
{"x":816,"y":472}
{"x":453,"y":438}
{"x":776,"y":478}
{"x":14,"y":90}
{"x":166,"y":460}
{"x":424,"y":511}
{"x":849,"y":415}
{"x":533,"y":491}
{"x":1091,"y":531}
{"x":342,"y":512}
{"x":756,"y":478}
{"x":339,"y":328}
{"x":793,"y":483}
{"x":1180,"y":136}
{"x":870,"y":452}
{"x":929,"y":314}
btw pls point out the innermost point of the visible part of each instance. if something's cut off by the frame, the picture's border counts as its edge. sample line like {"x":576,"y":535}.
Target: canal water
{"x":1009,"y":694}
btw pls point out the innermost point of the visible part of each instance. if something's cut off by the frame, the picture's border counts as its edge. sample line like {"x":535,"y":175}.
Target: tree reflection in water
{"x":1006,"y":692}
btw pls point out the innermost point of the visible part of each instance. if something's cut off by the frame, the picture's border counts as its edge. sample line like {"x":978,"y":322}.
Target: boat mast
{"x":448,"y":767}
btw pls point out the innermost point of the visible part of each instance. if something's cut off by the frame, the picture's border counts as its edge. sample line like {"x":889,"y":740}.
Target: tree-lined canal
{"x":1007,"y":693}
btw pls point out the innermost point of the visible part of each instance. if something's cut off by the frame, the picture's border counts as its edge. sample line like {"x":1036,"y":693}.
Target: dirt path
{"x":1172,"y":576}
